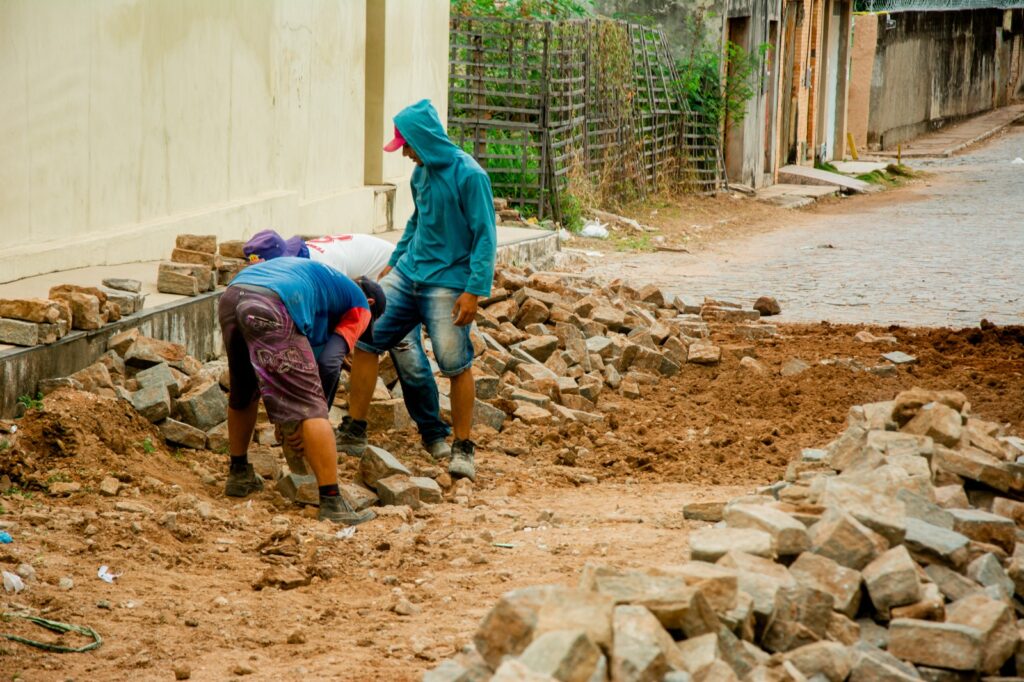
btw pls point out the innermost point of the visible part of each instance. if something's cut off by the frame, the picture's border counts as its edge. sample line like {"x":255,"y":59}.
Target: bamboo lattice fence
{"x":536,"y":102}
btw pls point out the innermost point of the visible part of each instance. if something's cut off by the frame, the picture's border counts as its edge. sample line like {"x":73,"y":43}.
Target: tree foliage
{"x":522,"y":9}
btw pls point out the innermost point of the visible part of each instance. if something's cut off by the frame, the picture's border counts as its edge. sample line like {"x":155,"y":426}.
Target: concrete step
{"x":805,"y":175}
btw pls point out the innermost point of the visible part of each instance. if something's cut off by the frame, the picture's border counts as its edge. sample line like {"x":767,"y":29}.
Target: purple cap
{"x":268,"y":244}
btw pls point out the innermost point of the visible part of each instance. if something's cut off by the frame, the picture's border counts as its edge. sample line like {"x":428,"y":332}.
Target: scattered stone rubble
{"x":891,"y":555}
{"x":548,"y":346}
{"x":198,"y":265}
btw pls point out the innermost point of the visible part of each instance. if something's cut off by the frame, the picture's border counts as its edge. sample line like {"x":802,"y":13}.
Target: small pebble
{"x":404,"y":607}
{"x":26,"y":572}
{"x":297,"y":637}
{"x":191,"y":622}
{"x":66,"y":583}
{"x":220,"y":601}
{"x":182,"y":672}
{"x":104,"y":604}
{"x":243,"y":670}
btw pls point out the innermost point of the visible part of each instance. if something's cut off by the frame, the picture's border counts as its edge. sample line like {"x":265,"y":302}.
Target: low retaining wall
{"x":189,"y":321}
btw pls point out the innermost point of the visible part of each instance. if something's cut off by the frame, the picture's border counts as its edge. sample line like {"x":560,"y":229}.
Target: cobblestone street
{"x":946,"y":251}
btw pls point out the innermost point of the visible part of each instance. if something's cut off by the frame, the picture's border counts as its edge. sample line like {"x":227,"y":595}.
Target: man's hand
{"x":384,"y":272}
{"x":294,"y":440}
{"x":464,"y":311}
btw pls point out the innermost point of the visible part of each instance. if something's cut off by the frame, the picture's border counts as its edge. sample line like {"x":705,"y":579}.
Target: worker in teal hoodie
{"x":442,"y":265}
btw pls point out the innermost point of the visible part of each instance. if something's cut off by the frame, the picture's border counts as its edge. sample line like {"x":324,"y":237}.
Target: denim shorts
{"x":410,"y":304}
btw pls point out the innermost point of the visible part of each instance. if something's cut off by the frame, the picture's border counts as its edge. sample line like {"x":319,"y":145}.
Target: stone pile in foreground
{"x":889,"y":555}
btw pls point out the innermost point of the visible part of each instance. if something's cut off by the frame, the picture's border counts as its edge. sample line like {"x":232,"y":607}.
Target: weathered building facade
{"x":925,"y":64}
{"x":125,"y":123}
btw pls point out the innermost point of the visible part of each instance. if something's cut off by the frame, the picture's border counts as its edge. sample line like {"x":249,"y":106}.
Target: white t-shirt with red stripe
{"x":353,"y":255}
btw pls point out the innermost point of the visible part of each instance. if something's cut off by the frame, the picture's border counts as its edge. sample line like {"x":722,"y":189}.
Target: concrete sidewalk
{"x":947,"y":141}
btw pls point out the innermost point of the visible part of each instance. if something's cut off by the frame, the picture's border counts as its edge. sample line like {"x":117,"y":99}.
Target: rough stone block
{"x":357,"y":496}
{"x":942,"y":424}
{"x":427,"y":489}
{"x":978,"y":466}
{"x":703,"y":354}
{"x":204,"y":243}
{"x":48,"y":386}
{"x":489,"y":415}
{"x":211,"y":260}
{"x":986,"y":570}
{"x":540,"y":347}
{"x":232,"y":248}
{"x":758,"y":577}
{"x":398,"y":490}
{"x":20,"y":333}
{"x":931,"y":606}
{"x":377,"y":463}
{"x":892,"y":580}
{"x":85,"y":308}
{"x":159,"y":375}
{"x":872,"y":664}
{"x":789,"y":535}
{"x":921,"y":508}
{"x":828,"y":576}
{"x":801,"y":616}
{"x":940,"y":645}
{"x":146,"y":352}
{"x":175,"y":280}
{"x":153,"y":403}
{"x":641,"y":648}
{"x":985,"y":527}
{"x":178,"y":433}
{"x":388,"y":414}
{"x":522,"y":615}
{"x":301,"y":489}
{"x":204,"y":406}
{"x":878,"y":509}
{"x":712,"y":512}
{"x":710,"y":544}
{"x":845,"y":540}
{"x":217,"y":438}
{"x":531,"y":414}
{"x":531,"y":311}
{"x":133,"y":286}
{"x":486,"y":386}
{"x":931,"y":544}
{"x":830,"y":660}
{"x":997,"y":624}
{"x":676,"y":605}
{"x":952,"y":585}
{"x":38,"y":310}
{"x":567,"y":655}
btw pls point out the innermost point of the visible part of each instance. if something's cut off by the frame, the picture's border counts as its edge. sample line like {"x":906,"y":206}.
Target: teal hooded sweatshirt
{"x":450,"y":240}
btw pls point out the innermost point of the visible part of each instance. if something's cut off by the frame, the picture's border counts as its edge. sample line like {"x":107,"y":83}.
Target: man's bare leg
{"x":463,"y":396}
{"x":241,"y":424}
{"x":362,"y":379}
{"x":318,"y":446}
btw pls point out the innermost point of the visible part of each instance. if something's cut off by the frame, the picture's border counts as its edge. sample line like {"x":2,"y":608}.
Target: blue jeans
{"x":410,"y":305}
{"x":419,"y":390}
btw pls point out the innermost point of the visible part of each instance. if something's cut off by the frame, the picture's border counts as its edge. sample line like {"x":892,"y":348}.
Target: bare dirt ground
{"x":548,"y":500}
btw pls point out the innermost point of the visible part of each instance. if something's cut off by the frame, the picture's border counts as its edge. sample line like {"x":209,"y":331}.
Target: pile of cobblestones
{"x":35,"y":321}
{"x":891,"y":554}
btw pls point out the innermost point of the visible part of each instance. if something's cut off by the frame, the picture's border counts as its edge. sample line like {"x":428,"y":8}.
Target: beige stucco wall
{"x":865,"y":37}
{"x":123,"y":123}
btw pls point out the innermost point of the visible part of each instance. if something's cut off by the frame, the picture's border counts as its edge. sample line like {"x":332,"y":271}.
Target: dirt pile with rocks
{"x":891,"y":553}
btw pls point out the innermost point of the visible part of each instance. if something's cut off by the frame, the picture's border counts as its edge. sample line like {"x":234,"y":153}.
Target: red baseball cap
{"x":397,"y":143}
